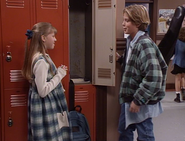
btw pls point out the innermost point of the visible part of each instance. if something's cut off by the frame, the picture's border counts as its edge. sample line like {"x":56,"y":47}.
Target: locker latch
{"x":10,"y":122}
{"x":8,"y":57}
{"x":111,"y":58}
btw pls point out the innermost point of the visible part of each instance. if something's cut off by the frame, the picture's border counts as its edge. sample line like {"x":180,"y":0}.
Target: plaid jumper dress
{"x":42,"y":112}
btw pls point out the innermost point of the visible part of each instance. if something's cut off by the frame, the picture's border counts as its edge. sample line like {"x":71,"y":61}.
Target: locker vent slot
{"x":49,"y":4}
{"x":81,"y":96}
{"x":104,"y":3}
{"x":120,"y":43}
{"x":16,"y":76}
{"x":18,"y":100}
{"x":15,"y":4}
{"x":104,"y":73}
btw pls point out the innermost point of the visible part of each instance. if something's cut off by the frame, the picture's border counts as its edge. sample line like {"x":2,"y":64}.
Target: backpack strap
{"x":78,"y":108}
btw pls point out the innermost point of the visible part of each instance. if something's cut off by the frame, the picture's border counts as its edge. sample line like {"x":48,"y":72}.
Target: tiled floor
{"x":170,"y":125}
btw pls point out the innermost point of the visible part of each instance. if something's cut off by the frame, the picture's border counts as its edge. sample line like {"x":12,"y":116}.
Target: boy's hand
{"x":117,"y":56}
{"x":134,"y":108}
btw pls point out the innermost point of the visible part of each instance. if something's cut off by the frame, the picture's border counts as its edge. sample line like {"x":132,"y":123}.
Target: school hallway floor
{"x":170,"y":125}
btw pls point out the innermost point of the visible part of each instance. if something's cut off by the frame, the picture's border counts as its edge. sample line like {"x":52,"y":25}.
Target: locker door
{"x":85,"y":96}
{"x":0,"y":82}
{"x":104,"y":42}
{"x":15,"y":115}
{"x":56,"y":12}
{"x":15,"y":19}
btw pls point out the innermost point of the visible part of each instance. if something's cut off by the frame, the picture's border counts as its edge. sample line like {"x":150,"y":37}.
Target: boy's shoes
{"x":177,"y":99}
{"x":183,"y":93}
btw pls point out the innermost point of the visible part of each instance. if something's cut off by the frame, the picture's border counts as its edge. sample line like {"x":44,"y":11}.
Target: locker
{"x":15,"y":114}
{"x":85,"y":95}
{"x":80,"y":32}
{"x":16,"y":17}
{"x":0,"y":83}
{"x":92,"y":50}
{"x":93,"y":40}
{"x":104,"y":42}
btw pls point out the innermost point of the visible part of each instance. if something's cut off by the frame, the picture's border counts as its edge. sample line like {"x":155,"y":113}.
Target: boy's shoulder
{"x":145,"y":39}
{"x":145,"y":42}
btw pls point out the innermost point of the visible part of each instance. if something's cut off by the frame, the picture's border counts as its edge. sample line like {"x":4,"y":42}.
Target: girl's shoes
{"x":183,"y":93}
{"x":177,"y":99}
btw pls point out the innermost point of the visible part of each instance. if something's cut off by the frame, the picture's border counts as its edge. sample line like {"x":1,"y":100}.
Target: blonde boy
{"x":144,"y":77}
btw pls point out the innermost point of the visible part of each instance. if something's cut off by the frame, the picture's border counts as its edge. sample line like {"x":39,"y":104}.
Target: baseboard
{"x":170,"y":86}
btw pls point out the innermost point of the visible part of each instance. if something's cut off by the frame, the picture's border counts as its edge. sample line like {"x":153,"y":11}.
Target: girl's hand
{"x":62,"y":70}
{"x":64,"y":67}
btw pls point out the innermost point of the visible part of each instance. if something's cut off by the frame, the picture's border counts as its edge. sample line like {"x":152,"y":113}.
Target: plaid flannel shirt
{"x":144,"y":77}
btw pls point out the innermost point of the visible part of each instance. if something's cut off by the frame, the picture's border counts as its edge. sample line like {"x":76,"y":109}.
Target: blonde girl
{"x":48,"y":118}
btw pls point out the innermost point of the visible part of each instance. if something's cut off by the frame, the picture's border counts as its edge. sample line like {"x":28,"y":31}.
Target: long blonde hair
{"x":138,"y":14}
{"x":36,"y":45}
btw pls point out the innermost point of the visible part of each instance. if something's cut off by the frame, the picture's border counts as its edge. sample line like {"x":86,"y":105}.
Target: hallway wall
{"x":170,"y":4}
{"x":113,"y":106}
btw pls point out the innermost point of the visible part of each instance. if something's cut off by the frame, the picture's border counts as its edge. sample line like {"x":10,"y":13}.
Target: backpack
{"x":80,"y":127}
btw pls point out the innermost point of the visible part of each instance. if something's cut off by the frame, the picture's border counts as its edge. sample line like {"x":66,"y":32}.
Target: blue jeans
{"x":144,"y":129}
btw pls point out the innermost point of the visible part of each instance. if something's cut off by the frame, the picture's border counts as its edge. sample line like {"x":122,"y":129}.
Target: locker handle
{"x":111,"y":58}
{"x":10,"y":122}
{"x":8,"y":57}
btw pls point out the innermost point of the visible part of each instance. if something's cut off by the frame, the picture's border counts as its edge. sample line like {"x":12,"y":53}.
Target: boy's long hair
{"x":35,"y":45}
{"x":138,"y":14}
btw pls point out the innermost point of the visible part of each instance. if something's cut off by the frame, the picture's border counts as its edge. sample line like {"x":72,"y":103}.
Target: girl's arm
{"x":40,"y":71}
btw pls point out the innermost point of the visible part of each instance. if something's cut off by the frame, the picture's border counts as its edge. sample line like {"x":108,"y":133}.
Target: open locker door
{"x":104,"y":42}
